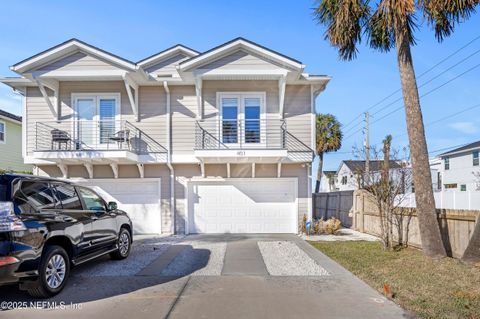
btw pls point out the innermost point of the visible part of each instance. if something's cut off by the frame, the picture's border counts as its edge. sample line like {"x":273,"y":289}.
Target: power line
{"x":445,"y":117}
{"x":419,"y":76}
{"x":429,"y":92}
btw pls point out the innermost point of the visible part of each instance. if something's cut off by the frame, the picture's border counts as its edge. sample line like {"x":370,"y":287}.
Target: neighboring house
{"x":11,"y":143}
{"x":327,"y":183}
{"x":186,"y":142}
{"x":459,"y":167}
{"x":349,"y":173}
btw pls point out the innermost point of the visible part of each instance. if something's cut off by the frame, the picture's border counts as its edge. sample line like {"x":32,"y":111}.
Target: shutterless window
{"x":475,"y":158}
{"x":463,"y":188}
{"x":68,"y":196}
{"x":91,"y":199}
{"x":439,"y":181}
{"x":2,"y":132}
{"x":447,"y":163}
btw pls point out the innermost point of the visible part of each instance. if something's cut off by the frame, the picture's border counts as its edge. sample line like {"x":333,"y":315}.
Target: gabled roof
{"x":375,"y":165}
{"x":240,"y":43}
{"x":179,"y":48}
{"x":5,"y":114}
{"x":65,"y":48}
{"x":468,"y":147}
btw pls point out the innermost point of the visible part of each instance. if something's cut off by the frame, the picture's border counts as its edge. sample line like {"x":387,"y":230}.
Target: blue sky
{"x":137,"y":29}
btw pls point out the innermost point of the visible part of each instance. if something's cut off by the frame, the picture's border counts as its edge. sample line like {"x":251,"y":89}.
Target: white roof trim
{"x":6,"y":118}
{"x":65,"y":49}
{"x":233,"y":46}
{"x":165,"y":54}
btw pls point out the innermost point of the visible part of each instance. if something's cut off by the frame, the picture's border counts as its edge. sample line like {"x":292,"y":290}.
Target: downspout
{"x":169,"y":155}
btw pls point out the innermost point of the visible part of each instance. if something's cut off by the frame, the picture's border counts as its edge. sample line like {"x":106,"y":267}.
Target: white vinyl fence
{"x":450,"y":200}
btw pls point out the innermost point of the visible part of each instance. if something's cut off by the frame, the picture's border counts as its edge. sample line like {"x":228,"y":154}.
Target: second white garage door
{"x":256,"y":205}
{"x":140,"y":198}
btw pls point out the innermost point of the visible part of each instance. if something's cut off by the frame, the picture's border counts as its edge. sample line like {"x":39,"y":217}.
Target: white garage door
{"x":243,"y":206}
{"x":140,"y":198}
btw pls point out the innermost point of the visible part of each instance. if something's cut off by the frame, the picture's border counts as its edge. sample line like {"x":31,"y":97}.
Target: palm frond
{"x":344,"y":20}
{"x":444,"y":14}
{"x":328,"y":133}
{"x":390,"y":17}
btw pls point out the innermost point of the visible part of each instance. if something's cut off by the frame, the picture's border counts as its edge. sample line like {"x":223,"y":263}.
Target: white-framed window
{"x":97,"y":117}
{"x":3,"y":132}
{"x":242,"y":117}
{"x":447,"y":163}
{"x":475,"y":158}
{"x":344,"y":180}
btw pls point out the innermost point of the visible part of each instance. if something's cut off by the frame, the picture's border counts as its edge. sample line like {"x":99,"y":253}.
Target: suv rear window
{"x":35,"y":194}
{"x":68,"y":196}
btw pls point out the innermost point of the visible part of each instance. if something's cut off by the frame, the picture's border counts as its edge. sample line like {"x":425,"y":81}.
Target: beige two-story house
{"x":185,"y":142}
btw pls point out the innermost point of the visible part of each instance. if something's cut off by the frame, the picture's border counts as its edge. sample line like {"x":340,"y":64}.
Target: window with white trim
{"x":242,"y":117}
{"x":475,"y":158}
{"x":3,"y":132}
{"x":447,"y":163}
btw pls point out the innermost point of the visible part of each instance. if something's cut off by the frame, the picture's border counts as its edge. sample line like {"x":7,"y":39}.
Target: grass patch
{"x":443,"y":288}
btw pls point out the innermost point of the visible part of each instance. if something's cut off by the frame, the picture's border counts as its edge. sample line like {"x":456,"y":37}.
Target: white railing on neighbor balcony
{"x":84,"y":135}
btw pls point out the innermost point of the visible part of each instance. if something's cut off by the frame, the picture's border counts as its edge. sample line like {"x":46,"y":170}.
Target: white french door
{"x":242,"y":119}
{"x":97,"y":119}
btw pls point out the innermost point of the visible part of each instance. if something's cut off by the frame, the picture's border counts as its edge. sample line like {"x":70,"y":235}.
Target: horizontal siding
{"x":37,"y":110}
{"x":78,"y":61}
{"x":298,"y":112}
{"x":240,"y":60}
{"x":167,"y":66}
{"x":210,"y":89}
{"x":184,"y":112}
{"x":11,"y":150}
{"x":152,"y":109}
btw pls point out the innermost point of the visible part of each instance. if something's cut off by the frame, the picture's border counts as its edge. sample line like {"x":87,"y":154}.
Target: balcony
{"x":79,"y":141}
{"x":264,"y":140}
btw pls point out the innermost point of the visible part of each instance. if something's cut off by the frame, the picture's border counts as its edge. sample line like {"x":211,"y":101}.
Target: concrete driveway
{"x":214,"y":276}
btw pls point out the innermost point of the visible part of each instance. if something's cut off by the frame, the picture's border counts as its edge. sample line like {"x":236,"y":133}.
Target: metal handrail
{"x":240,"y":134}
{"x":89,"y":135}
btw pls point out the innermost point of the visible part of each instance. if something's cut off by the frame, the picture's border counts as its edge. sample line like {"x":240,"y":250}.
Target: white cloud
{"x":464,"y":127}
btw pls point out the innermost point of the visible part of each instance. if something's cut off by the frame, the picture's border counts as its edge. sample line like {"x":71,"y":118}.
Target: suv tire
{"x":53,"y":273}
{"x":124,"y":243}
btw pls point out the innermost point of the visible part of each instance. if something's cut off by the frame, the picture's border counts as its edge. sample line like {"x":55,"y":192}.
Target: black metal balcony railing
{"x":240,"y":134}
{"x":80,"y":135}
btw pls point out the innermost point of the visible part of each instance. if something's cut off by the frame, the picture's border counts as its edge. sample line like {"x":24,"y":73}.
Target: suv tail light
{"x":8,"y":220}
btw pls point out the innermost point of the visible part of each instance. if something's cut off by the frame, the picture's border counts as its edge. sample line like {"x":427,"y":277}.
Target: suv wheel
{"x":124,"y":243}
{"x":53,"y":273}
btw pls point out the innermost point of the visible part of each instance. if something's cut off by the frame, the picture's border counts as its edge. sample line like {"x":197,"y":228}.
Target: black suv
{"x":48,"y":225}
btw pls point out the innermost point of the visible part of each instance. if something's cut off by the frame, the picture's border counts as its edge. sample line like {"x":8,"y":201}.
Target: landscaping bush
{"x":321,"y":226}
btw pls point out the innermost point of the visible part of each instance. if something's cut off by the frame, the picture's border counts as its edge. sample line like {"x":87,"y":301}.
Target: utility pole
{"x":367,"y":147}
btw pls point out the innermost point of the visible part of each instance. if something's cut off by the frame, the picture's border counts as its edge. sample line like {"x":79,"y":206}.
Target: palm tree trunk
{"x":432,"y":243}
{"x":319,"y":172}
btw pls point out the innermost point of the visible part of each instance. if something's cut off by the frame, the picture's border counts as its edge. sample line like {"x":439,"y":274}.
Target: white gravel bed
{"x":285,"y":258}
{"x":143,"y":253}
{"x":344,"y":234}
{"x":199,"y":259}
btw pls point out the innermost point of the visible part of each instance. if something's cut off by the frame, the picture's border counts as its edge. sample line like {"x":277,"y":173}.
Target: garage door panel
{"x":247,"y":206}
{"x":140,"y":199}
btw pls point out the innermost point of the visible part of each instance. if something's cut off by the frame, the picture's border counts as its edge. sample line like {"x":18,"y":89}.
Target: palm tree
{"x":389,"y":24}
{"x":329,"y":139}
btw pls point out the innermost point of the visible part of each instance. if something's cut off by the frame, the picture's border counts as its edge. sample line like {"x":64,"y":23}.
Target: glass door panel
{"x":106,"y":117}
{"x":86,"y":130}
{"x":230,"y":120}
{"x":252,"y":120}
